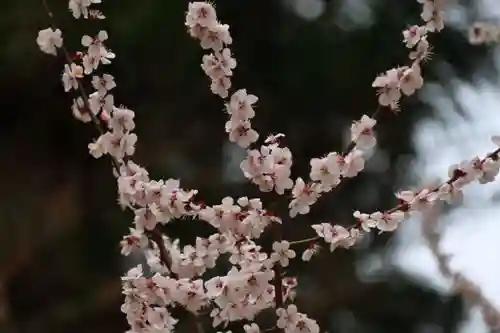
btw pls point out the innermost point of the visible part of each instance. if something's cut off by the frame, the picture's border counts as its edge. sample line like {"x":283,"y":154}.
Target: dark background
{"x":60,"y":265}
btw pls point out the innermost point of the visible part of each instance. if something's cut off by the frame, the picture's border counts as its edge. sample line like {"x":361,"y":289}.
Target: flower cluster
{"x":282,"y":253}
{"x":408,"y":79}
{"x":432,"y":14}
{"x":147,"y":299}
{"x":203,"y":25}
{"x":241,"y":294}
{"x":238,"y":126}
{"x":118,"y":141}
{"x":255,"y":280}
{"x":336,"y":235}
{"x":292,"y":321}
{"x":81,"y":8}
{"x":481,"y":170}
{"x":327,"y":172}
{"x":154,"y":201}
{"x":201,"y":20}
{"x":246,"y":219}
{"x":270,"y":167}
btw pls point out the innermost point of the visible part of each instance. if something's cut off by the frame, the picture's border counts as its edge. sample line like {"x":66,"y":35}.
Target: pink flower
{"x":282,"y":253}
{"x":241,"y":132}
{"x":49,"y":40}
{"x":362,"y":133}
{"x":240,"y":105}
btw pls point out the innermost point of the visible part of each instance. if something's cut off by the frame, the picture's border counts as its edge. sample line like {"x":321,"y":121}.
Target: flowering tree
{"x":257,"y":280}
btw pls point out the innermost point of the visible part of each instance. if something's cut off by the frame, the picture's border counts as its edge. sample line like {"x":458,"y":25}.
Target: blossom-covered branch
{"x":328,"y":172}
{"x":481,"y":170}
{"x":256,"y":280}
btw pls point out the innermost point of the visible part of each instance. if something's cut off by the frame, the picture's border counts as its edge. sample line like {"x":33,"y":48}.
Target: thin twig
{"x":305,"y":240}
{"x":47,"y":9}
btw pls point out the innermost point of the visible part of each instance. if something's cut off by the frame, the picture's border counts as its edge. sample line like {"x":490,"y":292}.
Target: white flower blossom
{"x":49,"y":40}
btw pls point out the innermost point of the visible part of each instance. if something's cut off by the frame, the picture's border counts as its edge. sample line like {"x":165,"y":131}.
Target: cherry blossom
{"x":71,"y":76}
{"x":432,"y":13}
{"x":122,"y":119}
{"x":201,"y":13}
{"x":411,"y":80}
{"x":287,"y":317}
{"x":362,"y":133}
{"x":365,"y":221}
{"x":240,"y":105}
{"x":49,"y":40}
{"x":135,"y":240}
{"x":282,"y":253}
{"x":98,"y":148}
{"x":99,"y":102}
{"x":103,"y":83}
{"x":387,"y":221}
{"x":252,"y":328}
{"x":413,"y":35}
{"x":293,"y":321}
{"x":310,"y":252}
{"x":81,"y":8}
{"x":225,"y":62}
{"x":97,"y":52}
{"x":422,"y":51}
{"x":80,"y":111}
{"x":304,"y":195}
{"x":220,"y":86}
{"x":215,"y":37}
{"x":269,"y":167}
{"x":95,"y":44}
{"x":354,"y":163}
{"x":388,"y":88}
{"x":213,"y":67}
{"x":327,"y":170}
